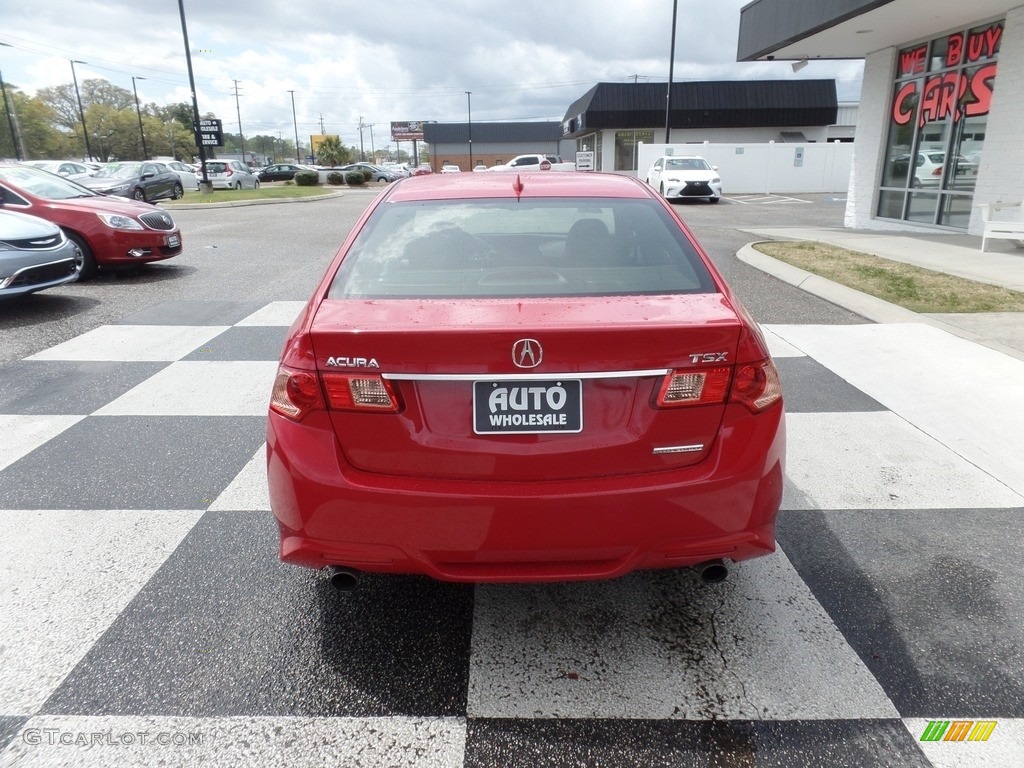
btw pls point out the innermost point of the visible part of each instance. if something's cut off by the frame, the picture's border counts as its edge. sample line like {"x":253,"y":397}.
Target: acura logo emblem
{"x":527,"y":353}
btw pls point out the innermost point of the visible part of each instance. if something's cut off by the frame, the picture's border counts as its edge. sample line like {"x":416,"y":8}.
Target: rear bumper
{"x":557,"y":530}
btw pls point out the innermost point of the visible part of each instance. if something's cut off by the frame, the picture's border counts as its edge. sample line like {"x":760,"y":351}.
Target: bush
{"x":355,"y":178}
{"x":367,"y":175}
{"x":307,"y":178}
{"x":335,"y":178}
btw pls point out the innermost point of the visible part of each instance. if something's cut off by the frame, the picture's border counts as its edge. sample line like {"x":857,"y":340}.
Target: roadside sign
{"x":211,"y":133}
{"x":585,"y":161}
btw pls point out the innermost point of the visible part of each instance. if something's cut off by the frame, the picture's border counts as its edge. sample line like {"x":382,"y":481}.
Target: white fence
{"x":766,"y":168}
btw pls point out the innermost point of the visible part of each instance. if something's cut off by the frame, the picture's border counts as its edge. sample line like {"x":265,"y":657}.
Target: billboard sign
{"x":410,"y":130}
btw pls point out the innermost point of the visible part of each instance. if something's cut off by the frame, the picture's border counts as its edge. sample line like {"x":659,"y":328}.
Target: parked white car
{"x":681,"y":176}
{"x":70,"y":170}
{"x":186,"y":173}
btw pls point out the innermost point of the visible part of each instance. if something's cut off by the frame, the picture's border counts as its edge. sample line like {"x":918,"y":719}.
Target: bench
{"x":1003,"y":221}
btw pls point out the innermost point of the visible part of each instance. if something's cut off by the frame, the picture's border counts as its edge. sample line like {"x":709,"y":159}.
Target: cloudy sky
{"x":380,"y":62}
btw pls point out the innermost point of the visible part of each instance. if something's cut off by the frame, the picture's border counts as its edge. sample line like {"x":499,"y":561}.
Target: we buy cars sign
{"x":210,"y":133}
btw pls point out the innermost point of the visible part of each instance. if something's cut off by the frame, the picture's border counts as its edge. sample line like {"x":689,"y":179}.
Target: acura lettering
{"x":352,"y":362}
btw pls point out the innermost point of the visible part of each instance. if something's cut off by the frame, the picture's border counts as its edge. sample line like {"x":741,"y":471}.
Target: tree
{"x":330,"y":152}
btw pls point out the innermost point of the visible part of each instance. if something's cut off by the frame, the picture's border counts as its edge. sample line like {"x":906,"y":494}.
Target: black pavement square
{"x":931,"y":601}
{"x":694,"y":744}
{"x":66,"y":388}
{"x":250,"y":342}
{"x":9,"y":727}
{"x":134,"y":462}
{"x":225,"y":629}
{"x":810,"y":387}
{"x":192,"y":313}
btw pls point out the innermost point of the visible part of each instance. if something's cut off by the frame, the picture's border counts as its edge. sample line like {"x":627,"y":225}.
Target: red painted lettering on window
{"x":912,"y":60}
{"x":981,"y":90}
{"x":902,"y":111}
{"x":955,"y":49}
{"x":941,"y":94}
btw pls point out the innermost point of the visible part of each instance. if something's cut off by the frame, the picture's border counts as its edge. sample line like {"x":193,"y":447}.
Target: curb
{"x":244,"y":203}
{"x":870,"y":307}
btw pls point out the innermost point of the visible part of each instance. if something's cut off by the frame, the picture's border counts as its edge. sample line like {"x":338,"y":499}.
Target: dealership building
{"x":939,"y":129}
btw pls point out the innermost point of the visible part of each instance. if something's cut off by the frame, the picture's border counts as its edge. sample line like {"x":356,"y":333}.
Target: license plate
{"x":527,"y":407}
{"x":173,"y":241}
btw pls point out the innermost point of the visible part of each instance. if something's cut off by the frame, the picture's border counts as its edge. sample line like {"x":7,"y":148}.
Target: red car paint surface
{"x":76,"y":212}
{"x":411,"y":431}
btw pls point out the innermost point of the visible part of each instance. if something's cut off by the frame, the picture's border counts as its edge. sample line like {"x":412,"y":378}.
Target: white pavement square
{"x":758,"y":646}
{"x":275,"y":313}
{"x":967,"y":396}
{"x":203,"y":388}
{"x":248,"y":491}
{"x":133,"y":343}
{"x":23,"y":434}
{"x":231,"y":742}
{"x":878,"y":461}
{"x":64,"y":577}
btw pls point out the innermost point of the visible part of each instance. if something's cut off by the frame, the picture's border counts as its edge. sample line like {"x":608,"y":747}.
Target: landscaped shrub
{"x":335,"y":178}
{"x":307,"y":178}
{"x":355,"y":178}
{"x":367,"y":174}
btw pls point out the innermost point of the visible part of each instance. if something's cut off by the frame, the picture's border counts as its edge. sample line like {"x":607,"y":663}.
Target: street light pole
{"x":205,"y":185}
{"x":138,"y":111}
{"x":81,"y":112}
{"x":671,"y":65}
{"x":295,"y":124}
{"x":469,"y":125}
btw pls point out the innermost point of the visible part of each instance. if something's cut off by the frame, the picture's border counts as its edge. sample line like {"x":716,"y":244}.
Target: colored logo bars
{"x":958,"y":730}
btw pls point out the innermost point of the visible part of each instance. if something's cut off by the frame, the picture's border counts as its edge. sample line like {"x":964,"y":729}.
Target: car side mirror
{"x":714,"y":167}
{"x":148,"y":175}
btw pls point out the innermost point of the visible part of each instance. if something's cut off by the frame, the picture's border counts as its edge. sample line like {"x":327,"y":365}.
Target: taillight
{"x":229,"y":172}
{"x":359,"y":393}
{"x":694,"y":387}
{"x":296,"y":393}
{"x":756,"y":385}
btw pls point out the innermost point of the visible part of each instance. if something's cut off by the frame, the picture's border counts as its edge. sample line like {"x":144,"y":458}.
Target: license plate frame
{"x":527,"y":407}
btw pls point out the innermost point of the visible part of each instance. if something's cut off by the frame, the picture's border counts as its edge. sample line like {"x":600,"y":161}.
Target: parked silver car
{"x":230,"y":174}
{"x":34,"y":255}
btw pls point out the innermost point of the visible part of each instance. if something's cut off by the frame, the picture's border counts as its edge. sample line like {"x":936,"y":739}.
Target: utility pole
{"x":205,"y":185}
{"x":322,"y":131}
{"x":373,"y":151}
{"x":15,"y":135}
{"x":138,"y":111}
{"x":362,"y":149}
{"x":238,"y":111}
{"x":295,"y":124}
{"x":81,"y":112}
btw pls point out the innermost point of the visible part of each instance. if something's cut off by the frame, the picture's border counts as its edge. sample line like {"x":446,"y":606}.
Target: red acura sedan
{"x":524,"y":377}
{"x":109,"y":231}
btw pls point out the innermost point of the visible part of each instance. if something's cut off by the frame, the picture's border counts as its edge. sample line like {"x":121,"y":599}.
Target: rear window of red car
{"x":544,"y":247}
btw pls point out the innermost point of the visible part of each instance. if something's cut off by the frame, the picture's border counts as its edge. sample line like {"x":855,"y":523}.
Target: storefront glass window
{"x":937,"y":125}
{"x":626,"y":148}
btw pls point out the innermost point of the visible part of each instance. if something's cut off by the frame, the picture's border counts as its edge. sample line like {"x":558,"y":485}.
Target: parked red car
{"x":110,"y":231}
{"x":524,"y":377}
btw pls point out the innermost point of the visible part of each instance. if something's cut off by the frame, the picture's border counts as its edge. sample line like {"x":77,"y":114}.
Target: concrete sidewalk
{"x":958,"y":255}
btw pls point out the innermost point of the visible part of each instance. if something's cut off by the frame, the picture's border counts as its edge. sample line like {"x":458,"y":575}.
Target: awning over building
{"x":714,"y":104}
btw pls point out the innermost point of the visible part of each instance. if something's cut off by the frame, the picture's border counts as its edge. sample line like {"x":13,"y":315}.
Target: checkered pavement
{"x":146,"y":619}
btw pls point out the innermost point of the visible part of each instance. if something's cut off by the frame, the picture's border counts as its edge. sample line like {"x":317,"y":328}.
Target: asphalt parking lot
{"x":146,"y":617}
